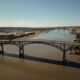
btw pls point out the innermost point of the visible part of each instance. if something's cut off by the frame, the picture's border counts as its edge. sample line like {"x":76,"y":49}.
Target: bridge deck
{"x":61,"y":45}
{"x":35,"y":40}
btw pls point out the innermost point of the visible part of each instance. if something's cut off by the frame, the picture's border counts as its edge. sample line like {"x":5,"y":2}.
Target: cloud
{"x":27,"y":24}
{"x":23,"y":24}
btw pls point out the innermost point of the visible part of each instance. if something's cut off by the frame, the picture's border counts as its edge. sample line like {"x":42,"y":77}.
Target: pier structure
{"x":61,"y":45}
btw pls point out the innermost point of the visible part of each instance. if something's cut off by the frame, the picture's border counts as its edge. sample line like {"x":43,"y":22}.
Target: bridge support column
{"x":2,"y":49}
{"x":21,"y":50}
{"x":64,"y":55}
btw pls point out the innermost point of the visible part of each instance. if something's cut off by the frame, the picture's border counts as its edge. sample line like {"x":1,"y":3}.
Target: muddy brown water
{"x":12,"y":68}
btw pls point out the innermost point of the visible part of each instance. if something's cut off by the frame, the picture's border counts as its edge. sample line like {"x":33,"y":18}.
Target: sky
{"x":39,"y":13}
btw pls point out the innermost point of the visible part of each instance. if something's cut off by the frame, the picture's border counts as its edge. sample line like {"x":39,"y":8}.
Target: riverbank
{"x":12,"y":68}
{"x":77,"y":34}
{"x":33,"y":35}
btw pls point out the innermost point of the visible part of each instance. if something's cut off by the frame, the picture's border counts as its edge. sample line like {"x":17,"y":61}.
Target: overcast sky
{"x":39,"y":13}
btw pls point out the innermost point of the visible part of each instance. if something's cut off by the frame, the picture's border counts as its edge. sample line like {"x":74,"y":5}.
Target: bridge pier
{"x":21,"y":50}
{"x":2,"y":49}
{"x":64,"y":57}
{"x":64,"y":54}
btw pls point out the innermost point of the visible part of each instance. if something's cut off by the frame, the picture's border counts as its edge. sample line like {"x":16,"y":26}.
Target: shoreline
{"x":33,"y":35}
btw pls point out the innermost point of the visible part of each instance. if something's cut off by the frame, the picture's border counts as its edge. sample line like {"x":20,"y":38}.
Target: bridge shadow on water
{"x":50,"y":61}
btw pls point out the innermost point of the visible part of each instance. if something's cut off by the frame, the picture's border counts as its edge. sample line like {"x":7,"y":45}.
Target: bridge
{"x":61,"y":45}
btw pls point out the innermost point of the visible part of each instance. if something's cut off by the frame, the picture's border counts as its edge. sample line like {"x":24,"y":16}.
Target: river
{"x":58,"y":35}
{"x":35,"y":67}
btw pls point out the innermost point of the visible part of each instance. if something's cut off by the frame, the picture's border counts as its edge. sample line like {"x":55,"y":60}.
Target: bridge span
{"x":61,"y":45}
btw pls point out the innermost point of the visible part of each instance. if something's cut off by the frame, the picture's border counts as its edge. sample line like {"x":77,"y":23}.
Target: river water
{"x":58,"y":35}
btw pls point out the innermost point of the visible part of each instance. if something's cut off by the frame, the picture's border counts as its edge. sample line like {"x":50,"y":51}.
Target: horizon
{"x":39,"y":13}
{"x":42,"y":27}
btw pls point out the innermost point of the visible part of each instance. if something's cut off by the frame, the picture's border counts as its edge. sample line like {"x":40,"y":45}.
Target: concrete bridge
{"x":61,"y":45}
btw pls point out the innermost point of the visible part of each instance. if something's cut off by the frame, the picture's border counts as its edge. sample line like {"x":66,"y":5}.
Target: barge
{"x":12,"y":36}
